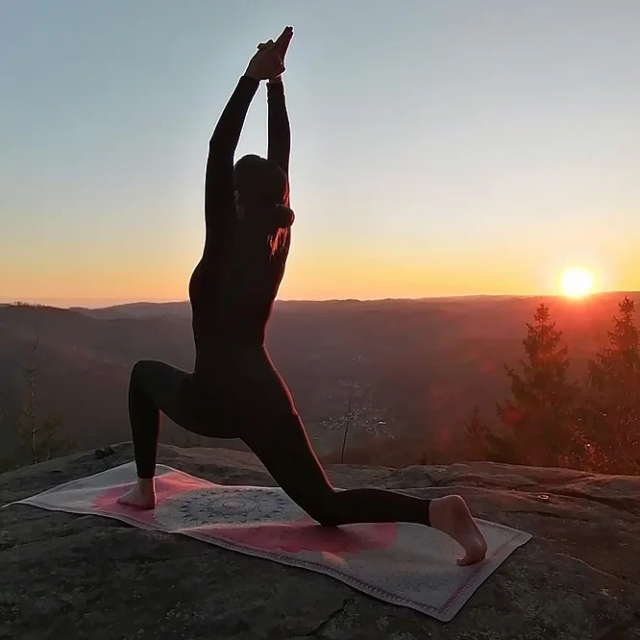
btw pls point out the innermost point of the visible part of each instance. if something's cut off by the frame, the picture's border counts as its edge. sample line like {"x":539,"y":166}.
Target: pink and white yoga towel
{"x":405,"y":564}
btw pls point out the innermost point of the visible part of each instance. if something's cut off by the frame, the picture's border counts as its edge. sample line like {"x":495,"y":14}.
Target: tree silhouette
{"x":539,"y":418}
{"x":476,"y":435}
{"x":38,"y":435}
{"x":611,"y":407}
{"x":39,"y":439}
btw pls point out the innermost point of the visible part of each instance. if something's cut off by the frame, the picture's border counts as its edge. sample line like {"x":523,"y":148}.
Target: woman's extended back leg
{"x":286,"y":452}
{"x":284,"y":449}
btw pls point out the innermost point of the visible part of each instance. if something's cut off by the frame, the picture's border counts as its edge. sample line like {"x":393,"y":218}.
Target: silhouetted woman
{"x":234,"y":390}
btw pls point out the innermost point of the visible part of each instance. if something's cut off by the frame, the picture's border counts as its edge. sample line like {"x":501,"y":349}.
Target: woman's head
{"x":262,"y":191}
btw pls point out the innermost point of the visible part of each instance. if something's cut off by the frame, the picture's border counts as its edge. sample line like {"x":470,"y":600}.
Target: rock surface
{"x":67,"y":576}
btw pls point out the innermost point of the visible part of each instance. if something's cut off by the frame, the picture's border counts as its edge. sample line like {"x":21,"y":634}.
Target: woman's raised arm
{"x":219,"y":205}
{"x":218,"y":193}
{"x":279,"y":136}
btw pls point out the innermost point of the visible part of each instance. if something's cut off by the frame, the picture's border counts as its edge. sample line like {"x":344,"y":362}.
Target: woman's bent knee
{"x":145,"y":369}
{"x":139,"y":373}
{"x":160,"y":381}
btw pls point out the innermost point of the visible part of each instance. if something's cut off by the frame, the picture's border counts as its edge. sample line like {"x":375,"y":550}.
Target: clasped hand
{"x":268,"y":62}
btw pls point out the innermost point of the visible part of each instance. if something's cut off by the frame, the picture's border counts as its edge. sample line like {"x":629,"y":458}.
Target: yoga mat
{"x":404,"y":564}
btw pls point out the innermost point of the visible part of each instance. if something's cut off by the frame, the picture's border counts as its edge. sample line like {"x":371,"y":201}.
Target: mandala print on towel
{"x":227,"y":506}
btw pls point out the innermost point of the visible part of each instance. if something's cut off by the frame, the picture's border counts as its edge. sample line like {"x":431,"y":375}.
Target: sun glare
{"x":576,"y":282}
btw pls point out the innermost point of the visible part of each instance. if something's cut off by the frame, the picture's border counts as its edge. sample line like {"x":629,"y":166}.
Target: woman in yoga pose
{"x":235,"y":390}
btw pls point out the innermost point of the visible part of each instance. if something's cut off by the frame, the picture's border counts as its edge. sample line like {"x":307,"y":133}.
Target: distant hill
{"x":137,"y":310}
{"x":182,"y":308}
{"x":408,"y":369}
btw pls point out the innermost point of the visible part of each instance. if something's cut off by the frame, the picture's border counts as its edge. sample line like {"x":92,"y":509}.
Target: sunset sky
{"x":439,"y":147}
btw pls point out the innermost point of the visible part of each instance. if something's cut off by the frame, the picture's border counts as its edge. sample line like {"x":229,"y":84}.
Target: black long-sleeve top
{"x":233,"y":288}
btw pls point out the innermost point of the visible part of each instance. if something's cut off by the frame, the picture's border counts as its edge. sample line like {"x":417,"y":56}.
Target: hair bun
{"x":280,"y":217}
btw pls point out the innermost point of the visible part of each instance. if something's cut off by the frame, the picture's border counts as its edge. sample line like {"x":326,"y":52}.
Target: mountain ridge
{"x":410,"y":369}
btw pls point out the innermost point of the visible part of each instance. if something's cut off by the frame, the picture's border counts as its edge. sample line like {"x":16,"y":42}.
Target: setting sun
{"x":576,"y":282}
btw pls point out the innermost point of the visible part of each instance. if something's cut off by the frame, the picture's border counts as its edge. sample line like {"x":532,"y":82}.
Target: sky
{"x":439,"y":147}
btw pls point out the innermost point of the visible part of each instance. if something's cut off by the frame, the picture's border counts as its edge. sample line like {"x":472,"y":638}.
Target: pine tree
{"x":475,"y":437}
{"x":611,"y":414}
{"x":539,"y":418}
{"x":38,"y":435}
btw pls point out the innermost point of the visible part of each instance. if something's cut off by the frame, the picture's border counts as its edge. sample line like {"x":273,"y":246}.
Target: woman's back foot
{"x":451,"y":515}
{"x":141,"y":496}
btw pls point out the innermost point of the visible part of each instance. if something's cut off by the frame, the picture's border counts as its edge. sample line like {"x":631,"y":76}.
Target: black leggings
{"x":276,"y":437}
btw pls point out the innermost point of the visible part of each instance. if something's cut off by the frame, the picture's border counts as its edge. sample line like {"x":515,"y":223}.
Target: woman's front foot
{"x":141,"y":496}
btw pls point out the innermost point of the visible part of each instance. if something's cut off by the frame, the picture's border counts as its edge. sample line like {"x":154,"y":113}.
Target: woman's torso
{"x":232,"y":293}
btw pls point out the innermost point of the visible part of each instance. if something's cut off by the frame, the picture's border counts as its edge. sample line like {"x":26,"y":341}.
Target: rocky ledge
{"x":68,"y":577}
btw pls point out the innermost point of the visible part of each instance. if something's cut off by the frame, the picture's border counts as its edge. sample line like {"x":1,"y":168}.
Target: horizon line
{"x":107,"y":303}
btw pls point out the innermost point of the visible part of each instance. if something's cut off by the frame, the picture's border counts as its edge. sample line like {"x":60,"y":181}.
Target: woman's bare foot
{"x":142,"y":495}
{"x":451,"y":516}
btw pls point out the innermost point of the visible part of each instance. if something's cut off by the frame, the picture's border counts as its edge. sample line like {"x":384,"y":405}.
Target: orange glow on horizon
{"x":317,"y":275}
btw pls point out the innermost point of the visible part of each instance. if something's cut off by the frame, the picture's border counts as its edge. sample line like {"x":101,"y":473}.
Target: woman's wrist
{"x":249,"y":74}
